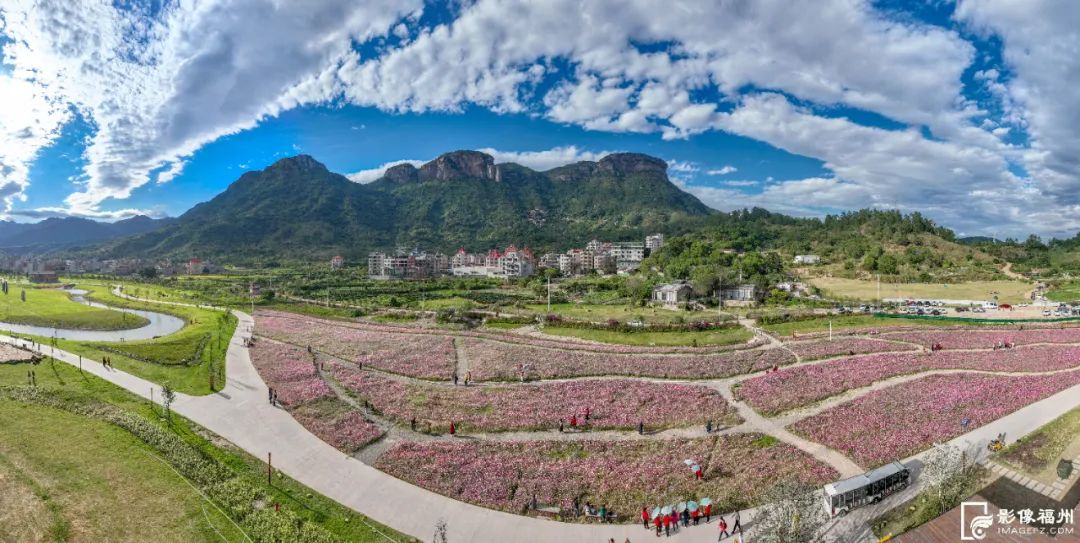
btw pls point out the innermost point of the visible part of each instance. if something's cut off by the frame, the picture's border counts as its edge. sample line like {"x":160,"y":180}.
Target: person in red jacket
{"x":697,"y":515}
{"x":698,"y":474}
{"x":708,"y":513}
{"x":667,"y":525}
{"x":645,"y":517}
{"x":452,"y":428}
{"x":659,"y":525}
{"x":674,"y":521}
{"x":573,"y":421}
{"x":723,"y":529}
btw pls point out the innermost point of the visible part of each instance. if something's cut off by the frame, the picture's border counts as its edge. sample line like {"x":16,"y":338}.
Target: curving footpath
{"x":241,"y":414}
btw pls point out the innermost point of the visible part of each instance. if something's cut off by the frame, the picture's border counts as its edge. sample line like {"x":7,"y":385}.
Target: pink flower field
{"x":787,"y":389}
{"x":612,"y":403}
{"x":844,"y":346}
{"x":416,"y":355}
{"x":499,"y":361}
{"x":985,"y":339}
{"x":624,"y":475}
{"x":338,"y":424}
{"x":896,"y":422}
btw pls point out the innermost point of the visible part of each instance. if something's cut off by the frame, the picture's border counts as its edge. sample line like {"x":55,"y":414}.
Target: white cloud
{"x":726,"y":169}
{"x":158,"y":86}
{"x":367,"y":176}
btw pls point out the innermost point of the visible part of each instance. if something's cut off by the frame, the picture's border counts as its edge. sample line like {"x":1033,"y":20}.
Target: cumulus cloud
{"x":158,"y":85}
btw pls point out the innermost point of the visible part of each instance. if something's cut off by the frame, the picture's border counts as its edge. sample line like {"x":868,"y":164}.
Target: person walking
{"x":641,"y":428}
{"x":270,"y":395}
{"x":573,"y":421}
{"x":586,"y":414}
{"x":698,"y":475}
{"x":603,"y":513}
{"x":737,"y":525}
{"x":708,"y":513}
{"x":667,"y":525}
{"x":645,"y":517}
{"x":674,"y":521}
{"x":452,"y":428}
{"x":659,"y":525}
{"x":685,"y":518}
{"x":708,"y":427}
{"x":723,"y":529}
{"x":561,"y":431}
{"x":455,"y":378}
{"x":412,"y":424}
{"x":468,"y":377}
{"x":697,"y":516}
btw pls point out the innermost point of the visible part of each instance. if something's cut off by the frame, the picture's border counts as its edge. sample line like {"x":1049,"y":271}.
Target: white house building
{"x":807,"y":259}
{"x":672,"y":295}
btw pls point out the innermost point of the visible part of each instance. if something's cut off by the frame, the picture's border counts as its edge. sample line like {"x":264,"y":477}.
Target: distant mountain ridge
{"x":57,"y":233}
{"x":297,"y":208}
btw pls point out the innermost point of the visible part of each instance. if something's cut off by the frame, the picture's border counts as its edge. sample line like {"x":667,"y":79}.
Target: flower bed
{"x":612,"y":403}
{"x":796,"y":387}
{"x":337,"y":423}
{"x":813,"y":350}
{"x":498,"y":361}
{"x":902,"y":420}
{"x":986,"y":339}
{"x":624,"y":475}
{"x":417,"y":355}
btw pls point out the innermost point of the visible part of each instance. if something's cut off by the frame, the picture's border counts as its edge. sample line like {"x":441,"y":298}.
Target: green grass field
{"x":94,"y":482}
{"x":79,"y":479}
{"x":1067,"y":292}
{"x":1008,"y":291}
{"x":724,"y":336}
{"x":841,"y":322}
{"x":54,"y":308}
{"x":621,"y":313}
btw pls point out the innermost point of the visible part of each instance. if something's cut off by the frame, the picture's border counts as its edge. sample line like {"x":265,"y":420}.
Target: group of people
{"x":468,"y":377}
{"x":272,"y":396}
{"x":602,"y":513}
{"x":106,"y":362}
{"x":671,"y":522}
{"x":574,"y":420}
{"x":1003,"y":345}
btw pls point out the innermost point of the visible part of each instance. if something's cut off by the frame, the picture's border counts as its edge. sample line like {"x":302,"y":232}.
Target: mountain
{"x":66,"y":232}
{"x":296,"y":208}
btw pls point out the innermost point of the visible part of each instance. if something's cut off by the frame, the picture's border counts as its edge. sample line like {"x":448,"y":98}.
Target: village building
{"x":672,"y":295}
{"x":746,"y":293}
{"x":337,"y":262}
{"x":807,"y":259}
{"x":654,"y":242}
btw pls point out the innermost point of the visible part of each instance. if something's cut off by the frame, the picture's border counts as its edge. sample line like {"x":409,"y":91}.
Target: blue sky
{"x":961,"y":110}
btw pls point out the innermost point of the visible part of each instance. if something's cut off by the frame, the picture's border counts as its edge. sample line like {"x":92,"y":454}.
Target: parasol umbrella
{"x":681,"y":507}
{"x":694,"y":468}
{"x":705,"y":501}
{"x":692,"y":506}
{"x":666,"y":510}
{"x":689,"y":462}
{"x":655,"y":512}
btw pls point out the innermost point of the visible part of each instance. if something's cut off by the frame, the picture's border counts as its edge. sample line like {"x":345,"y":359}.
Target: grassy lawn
{"x":67,"y":445}
{"x":92,"y":481}
{"x":1008,"y":291}
{"x":723,"y":336}
{"x":54,"y":308}
{"x":1038,"y":453}
{"x":186,"y":359}
{"x":841,"y":322}
{"x":621,"y":313}
{"x":1067,"y":292}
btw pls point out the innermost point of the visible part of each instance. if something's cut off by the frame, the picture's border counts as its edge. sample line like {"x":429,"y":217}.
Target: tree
{"x":149,"y":272}
{"x":948,"y":476}
{"x":167,"y":397}
{"x":792,"y":514}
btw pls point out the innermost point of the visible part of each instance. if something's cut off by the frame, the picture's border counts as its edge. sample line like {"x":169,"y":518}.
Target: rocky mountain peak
{"x":402,"y":173}
{"x":460,"y":165}
{"x":627,"y":163}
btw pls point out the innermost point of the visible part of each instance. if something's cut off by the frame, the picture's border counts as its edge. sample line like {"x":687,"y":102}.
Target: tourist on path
{"x":708,"y":513}
{"x":697,"y":516}
{"x":685,"y":518}
{"x":468,"y":377}
{"x":723,"y":529}
{"x":708,"y":427}
{"x":667,"y":525}
{"x":737,"y":524}
{"x":645,"y":517}
{"x":455,"y":378}
{"x":603,"y":513}
{"x":573,"y":421}
{"x":698,"y":475}
{"x":452,"y":428}
{"x":659,"y":525}
{"x":641,"y":428}
{"x":674,"y":521}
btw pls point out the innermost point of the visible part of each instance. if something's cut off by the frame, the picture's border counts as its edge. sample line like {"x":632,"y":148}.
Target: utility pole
{"x":549,"y":293}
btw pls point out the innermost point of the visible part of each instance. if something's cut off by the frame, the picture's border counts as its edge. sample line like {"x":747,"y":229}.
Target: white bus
{"x":870,"y":487}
